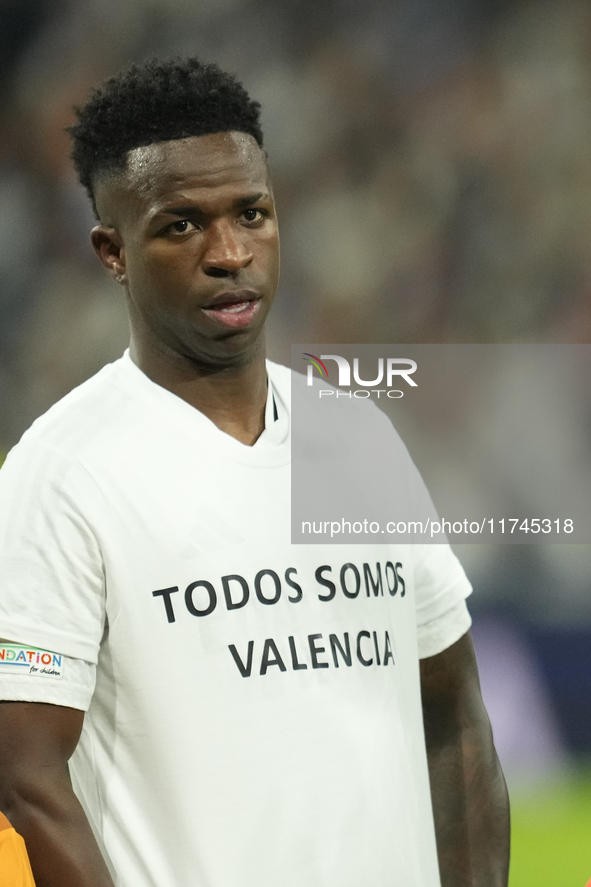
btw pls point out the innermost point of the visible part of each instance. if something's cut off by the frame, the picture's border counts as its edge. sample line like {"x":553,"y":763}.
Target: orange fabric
{"x":15,"y":869}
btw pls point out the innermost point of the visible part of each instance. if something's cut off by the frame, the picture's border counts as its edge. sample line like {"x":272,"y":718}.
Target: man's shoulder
{"x":84,"y":417}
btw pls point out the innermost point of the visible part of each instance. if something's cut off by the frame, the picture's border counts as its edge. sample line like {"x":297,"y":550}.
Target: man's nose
{"x":226,"y":251}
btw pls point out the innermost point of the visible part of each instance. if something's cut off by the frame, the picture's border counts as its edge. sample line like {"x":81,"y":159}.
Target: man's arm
{"x":470,"y":802}
{"x":36,"y":741}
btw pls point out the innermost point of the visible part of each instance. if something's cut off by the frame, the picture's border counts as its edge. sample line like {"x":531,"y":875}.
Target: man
{"x":229,"y":726}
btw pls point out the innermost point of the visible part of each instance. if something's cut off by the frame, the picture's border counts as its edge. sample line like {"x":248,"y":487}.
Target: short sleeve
{"x":52,"y":589}
{"x":441,"y":588}
{"x":24,"y":676}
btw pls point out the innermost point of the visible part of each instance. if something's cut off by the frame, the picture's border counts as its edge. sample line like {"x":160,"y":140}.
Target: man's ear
{"x":108,"y":245}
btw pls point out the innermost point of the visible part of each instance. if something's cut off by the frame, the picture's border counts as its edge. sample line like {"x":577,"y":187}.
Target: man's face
{"x":196,"y":233}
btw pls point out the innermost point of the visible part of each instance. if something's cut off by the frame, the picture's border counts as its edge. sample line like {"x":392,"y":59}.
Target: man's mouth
{"x":235,"y":311}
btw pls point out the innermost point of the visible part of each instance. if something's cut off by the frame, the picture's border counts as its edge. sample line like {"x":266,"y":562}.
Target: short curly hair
{"x":157,"y":101}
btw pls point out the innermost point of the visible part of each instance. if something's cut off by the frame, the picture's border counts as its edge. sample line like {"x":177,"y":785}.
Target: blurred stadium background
{"x":432,"y":163}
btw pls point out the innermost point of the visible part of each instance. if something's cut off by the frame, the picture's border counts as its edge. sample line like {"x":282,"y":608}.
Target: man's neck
{"x":233,"y":398}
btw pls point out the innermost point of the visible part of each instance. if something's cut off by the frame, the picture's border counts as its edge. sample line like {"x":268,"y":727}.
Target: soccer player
{"x":239,"y":712}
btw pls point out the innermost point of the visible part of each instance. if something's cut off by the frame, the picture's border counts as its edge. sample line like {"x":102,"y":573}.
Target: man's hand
{"x":36,"y":741}
{"x":470,"y":802}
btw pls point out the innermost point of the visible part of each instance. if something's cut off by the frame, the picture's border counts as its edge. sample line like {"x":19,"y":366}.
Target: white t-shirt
{"x":256,"y":717}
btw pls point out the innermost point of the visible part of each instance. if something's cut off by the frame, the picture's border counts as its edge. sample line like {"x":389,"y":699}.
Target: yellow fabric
{"x":15,"y":869}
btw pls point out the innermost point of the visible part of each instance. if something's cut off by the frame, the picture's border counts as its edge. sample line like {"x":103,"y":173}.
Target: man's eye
{"x":180,"y":227}
{"x":253,"y":215}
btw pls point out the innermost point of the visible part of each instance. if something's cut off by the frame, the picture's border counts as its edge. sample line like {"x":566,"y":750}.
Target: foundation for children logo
{"x":390,"y":372}
{"x":18,"y":660}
